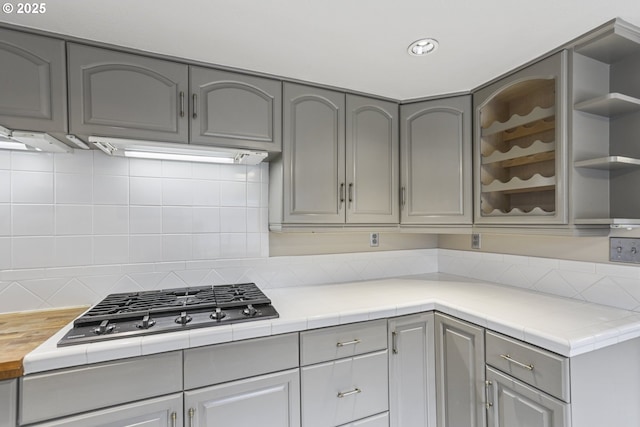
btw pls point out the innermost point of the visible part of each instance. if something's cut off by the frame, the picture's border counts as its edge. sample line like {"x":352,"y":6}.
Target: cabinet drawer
{"x":321,"y":345}
{"x":8,"y":402}
{"x":339,"y":392}
{"x":98,"y":386}
{"x":242,"y":359}
{"x":539,"y":368}
{"x":380,"y":420}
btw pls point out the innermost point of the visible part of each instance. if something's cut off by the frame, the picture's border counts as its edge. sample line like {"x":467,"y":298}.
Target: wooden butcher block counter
{"x":20,"y":333}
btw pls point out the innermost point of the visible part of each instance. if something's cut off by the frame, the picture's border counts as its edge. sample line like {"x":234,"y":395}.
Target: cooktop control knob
{"x":218,"y":314}
{"x":146,"y":323}
{"x":250,"y":311}
{"x":183,"y":319}
{"x":104,"y":328}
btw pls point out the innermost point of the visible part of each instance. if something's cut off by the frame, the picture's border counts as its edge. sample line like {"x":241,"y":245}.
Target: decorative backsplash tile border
{"x":30,"y":289}
{"x":601,"y":283}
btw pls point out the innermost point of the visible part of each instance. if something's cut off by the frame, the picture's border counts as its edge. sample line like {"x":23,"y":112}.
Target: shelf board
{"x":517,"y":212}
{"x":618,"y":43}
{"x":612,"y":222}
{"x":517,"y":185}
{"x":537,"y":152}
{"x":609,"y":163}
{"x":516,"y":120}
{"x":609,"y":105}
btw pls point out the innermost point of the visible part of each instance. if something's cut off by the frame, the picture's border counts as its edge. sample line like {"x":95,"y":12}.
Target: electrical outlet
{"x":624,"y":249}
{"x":374,"y":239}
{"x":475,"y":241}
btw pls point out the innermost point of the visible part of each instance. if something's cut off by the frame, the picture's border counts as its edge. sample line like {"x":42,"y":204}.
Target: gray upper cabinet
{"x":123,"y":95}
{"x":372,"y":161}
{"x":521,"y":146}
{"x":339,"y":163}
{"x":435,"y":142}
{"x":232,"y":110}
{"x":313,"y":157}
{"x":32,"y":82}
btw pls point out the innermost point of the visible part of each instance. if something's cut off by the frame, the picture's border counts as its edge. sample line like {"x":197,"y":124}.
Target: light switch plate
{"x":624,"y":249}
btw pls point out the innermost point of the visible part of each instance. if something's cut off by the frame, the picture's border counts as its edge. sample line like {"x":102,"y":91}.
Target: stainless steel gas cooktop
{"x":153,"y":312}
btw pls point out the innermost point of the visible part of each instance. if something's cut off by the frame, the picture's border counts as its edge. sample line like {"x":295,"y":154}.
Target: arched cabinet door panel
{"x":435,"y":142}
{"x":233,"y":109}
{"x":123,"y":95}
{"x":313,"y":155}
{"x":32,"y":82}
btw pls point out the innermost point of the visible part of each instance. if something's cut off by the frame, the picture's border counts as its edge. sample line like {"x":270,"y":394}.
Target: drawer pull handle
{"x":174,"y":417}
{"x":394,"y":342}
{"x":342,"y":344}
{"x":515,"y":362}
{"x":192,"y":412}
{"x":349,"y":393}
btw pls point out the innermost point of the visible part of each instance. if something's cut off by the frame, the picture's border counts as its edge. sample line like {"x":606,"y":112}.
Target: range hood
{"x":31,"y":141}
{"x":172,"y":151}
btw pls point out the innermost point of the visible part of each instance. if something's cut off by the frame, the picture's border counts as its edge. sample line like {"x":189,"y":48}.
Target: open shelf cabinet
{"x":606,"y":126}
{"x":520,"y":142}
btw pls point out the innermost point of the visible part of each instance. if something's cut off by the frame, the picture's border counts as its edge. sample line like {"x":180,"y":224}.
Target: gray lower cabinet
{"x":344,"y":375}
{"x":56,"y":394}
{"x":435,"y":145}
{"x":340,"y":391}
{"x":271,"y":400}
{"x":460,"y":373}
{"x":32,"y":82}
{"x":165,"y":411}
{"x":512,"y":403}
{"x":8,"y":403}
{"x":235,"y":110}
{"x":124,"y":95}
{"x":339,"y":163}
{"x":412,"y":394}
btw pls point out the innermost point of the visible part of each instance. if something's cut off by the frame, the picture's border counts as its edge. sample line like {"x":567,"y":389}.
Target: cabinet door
{"x":514,"y":404}
{"x":235,"y":110}
{"x":33,"y":90}
{"x":8,"y":403}
{"x":372,"y":161}
{"x":270,"y":401}
{"x":435,"y":145}
{"x":313,"y":155}
{"x":123,"y":95}
{"x":164,"y":411}
{"x":412,"y":394}
{"x":459,"y":373}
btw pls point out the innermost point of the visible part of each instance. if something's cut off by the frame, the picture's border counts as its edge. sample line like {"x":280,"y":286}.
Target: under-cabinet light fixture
{"x":31,"y":141}
{"x":422,"y":47}
{"x":174,"y":151}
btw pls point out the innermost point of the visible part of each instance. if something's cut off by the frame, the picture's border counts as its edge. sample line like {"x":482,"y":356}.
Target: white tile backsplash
{"x":31,"y":187}
{"x":5,"y":219}
{"x":73,"y":220}
{"x":32,"y":220}
{"x":145,"y":191}
{"x":5,"y":186}
{"x":73,"y":188}
{"x":109,"y":219}
{"x":30,"y":161}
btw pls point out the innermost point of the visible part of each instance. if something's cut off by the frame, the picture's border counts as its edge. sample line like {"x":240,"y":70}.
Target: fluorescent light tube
{"x":181,"y":157}
{"x":8,"y":145}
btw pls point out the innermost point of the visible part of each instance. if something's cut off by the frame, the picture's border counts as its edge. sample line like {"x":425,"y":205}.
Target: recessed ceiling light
{"x":422,"y":47}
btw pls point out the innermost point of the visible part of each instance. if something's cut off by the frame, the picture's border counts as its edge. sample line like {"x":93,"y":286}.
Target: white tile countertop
{"x":565,"y":326}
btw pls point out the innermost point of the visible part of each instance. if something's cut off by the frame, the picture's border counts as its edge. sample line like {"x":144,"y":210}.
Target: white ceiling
{"x":355,"y":44}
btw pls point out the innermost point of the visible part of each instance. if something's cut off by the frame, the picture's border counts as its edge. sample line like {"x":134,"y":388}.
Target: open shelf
{"x":612,"y":222}
{"x":516,"y":121}
{"x":517,"y":185}
{"x":618,"y":44}
{"x":609,"y":105}
{"x":609,"y":163}
{"x":517,"y":156}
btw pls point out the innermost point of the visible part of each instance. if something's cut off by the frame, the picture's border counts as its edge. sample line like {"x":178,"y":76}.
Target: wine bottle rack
{"x":518,"y":151}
